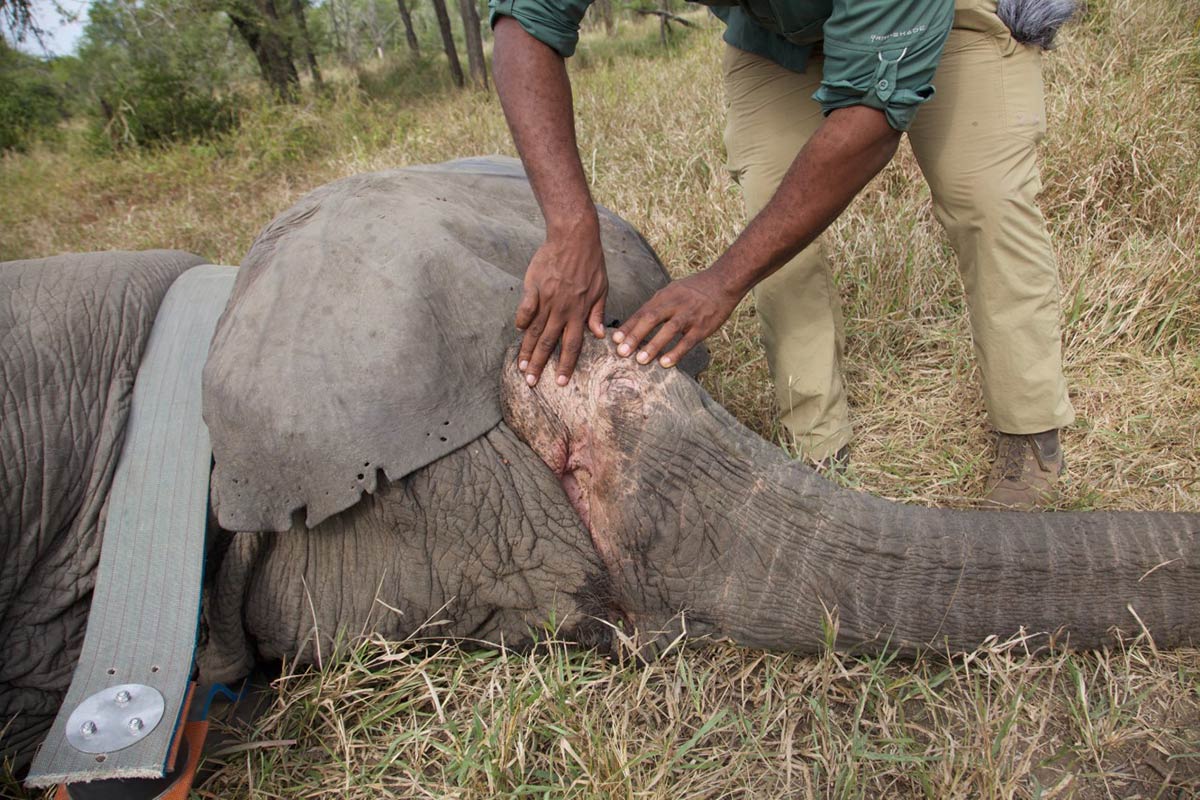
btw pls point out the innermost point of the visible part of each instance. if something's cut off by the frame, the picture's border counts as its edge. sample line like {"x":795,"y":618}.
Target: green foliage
{"x":404,"y":80}
{"x":158,"y":70}
{"x":157,"y":106}
{"x":31,"y":99}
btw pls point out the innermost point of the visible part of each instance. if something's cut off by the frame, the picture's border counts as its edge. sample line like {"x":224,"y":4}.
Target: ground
{"x":1122,"y":185}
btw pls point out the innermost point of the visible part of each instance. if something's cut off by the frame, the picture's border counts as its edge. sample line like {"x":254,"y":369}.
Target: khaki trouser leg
{"x":771,"y":115}
{"x":976,"y":143}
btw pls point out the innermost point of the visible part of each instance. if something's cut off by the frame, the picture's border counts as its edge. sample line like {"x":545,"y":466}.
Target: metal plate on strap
{"x":145,"y":608}
{"x":115,"y":718}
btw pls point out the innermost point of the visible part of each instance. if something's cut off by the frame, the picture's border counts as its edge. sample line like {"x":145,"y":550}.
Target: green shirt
{"x":877,"y":53}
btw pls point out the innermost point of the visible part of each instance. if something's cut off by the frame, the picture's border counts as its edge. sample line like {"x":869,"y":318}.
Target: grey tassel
{"x":1035,"y":21}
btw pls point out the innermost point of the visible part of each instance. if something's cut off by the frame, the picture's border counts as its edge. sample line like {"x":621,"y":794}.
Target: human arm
{"x":880,"y":58}
{"x":566,"y":283}
{"x":852,"y":145}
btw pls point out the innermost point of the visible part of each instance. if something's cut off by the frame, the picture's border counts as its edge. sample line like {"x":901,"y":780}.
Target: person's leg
{"x":976,"y":142}
{"x":771,"y":114}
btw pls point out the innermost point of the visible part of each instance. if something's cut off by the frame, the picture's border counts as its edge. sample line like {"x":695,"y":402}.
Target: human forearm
{"x":565,"y":283}
{"x":535,"y":94}
{"x":848,"y":150}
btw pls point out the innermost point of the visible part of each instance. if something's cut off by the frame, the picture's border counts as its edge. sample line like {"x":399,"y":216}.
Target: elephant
{"x":382,"y":467}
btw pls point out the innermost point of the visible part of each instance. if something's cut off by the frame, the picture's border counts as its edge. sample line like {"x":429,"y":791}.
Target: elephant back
{"x":366,"y":330}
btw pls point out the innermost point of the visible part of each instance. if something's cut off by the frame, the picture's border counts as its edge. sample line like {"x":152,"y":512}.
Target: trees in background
{"x":410,"y":33}
{"x":32,"y":99}
{"x":304,"y":41}
{"x":17,"y":16}
{"x":154,"y":70}
{"x":157,"y":70}
{"x":360,"y":28}
{"x":286,"y":38}
{"x":265,"y":29}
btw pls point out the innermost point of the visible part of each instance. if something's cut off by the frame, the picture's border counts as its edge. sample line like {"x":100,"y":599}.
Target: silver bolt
{"x":135,"y":725}
{"x":88,"y":728}
{"x":123,"y":696}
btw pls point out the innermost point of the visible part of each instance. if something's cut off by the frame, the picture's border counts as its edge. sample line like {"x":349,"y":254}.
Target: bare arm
{"x":850,"y":148}
{"x":566,"y":283}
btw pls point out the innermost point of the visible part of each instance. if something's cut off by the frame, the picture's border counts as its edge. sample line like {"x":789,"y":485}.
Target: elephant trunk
{"x":911,"y":577}
{"x":759,"y":549}
{"x":695,"y":516}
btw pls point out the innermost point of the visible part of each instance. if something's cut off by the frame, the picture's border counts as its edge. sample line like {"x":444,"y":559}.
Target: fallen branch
{"x":666,"y":16}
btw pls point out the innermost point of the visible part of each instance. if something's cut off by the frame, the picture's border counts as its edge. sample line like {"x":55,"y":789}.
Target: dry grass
{"x":392,"y":720}
{"x":1122,"y":175}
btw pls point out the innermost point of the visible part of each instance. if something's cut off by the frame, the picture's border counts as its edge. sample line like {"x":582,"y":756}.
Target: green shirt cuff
{"x":898,"y":105}
{"x":554,"y":24}
{"x":884,"y":57}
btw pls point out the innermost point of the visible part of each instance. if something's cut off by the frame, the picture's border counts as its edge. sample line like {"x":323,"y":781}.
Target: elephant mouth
{"x":577,"y":492}
{"x":579,"y":481}
{"x":574,"y":431}
{"x":571,"y":454}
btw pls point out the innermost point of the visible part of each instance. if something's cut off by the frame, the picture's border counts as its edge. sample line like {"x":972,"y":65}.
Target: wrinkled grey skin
{"x":366,"y":328}
{"x":480,"y":544}
{"x":629,"y":499}
{"x":693,"y":514}
{"x":72,"y":330}
{"x":476,"y":542}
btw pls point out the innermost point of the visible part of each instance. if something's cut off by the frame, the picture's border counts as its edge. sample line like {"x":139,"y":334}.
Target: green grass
{"x":1122,"y":189}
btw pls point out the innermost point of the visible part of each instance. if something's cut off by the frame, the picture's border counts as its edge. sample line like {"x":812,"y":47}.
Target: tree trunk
{"x":607,"y":13}
{"x":443,"y":18}
{"x":470,"y":20}
{"x":304,"y":41}
{"x":410,"y":35}
{"x":344,"y":31}
{"x":693,"y":514}
{"x":338,"y":45}
{"x":258,"y":23}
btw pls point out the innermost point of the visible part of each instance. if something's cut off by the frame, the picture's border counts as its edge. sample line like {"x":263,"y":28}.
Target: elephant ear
{"x":365,"y":334}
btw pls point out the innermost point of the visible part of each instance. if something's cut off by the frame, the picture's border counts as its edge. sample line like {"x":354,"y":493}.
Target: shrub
{"x":30,"y":99}
{"x":157,"y":106}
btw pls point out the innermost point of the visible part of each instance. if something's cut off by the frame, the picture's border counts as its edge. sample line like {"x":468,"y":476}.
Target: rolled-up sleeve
{"x":552,"y":22}
{"x":883,"y":55}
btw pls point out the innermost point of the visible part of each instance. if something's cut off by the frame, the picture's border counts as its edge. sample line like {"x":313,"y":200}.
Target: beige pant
{"x":976,"y":145}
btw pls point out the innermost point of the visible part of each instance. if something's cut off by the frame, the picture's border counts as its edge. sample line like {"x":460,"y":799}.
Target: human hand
{"x":565,"y":288}
{"x":690,"y":308}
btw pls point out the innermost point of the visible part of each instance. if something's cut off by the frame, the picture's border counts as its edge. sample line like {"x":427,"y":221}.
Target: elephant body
{"x":374,"y":475}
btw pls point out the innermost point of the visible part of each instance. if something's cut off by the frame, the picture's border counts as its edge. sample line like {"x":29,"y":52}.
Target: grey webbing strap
{"x":145,"y":608}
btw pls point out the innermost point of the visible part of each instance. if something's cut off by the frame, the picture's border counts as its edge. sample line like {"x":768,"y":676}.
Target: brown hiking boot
{"x":835,"y":464}
{"x":1027,"y":468}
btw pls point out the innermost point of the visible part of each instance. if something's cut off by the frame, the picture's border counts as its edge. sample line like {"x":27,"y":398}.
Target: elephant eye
{"x":622,"y":386}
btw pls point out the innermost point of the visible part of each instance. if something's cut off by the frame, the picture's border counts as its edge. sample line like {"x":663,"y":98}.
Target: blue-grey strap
{"x":126,"y":698}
